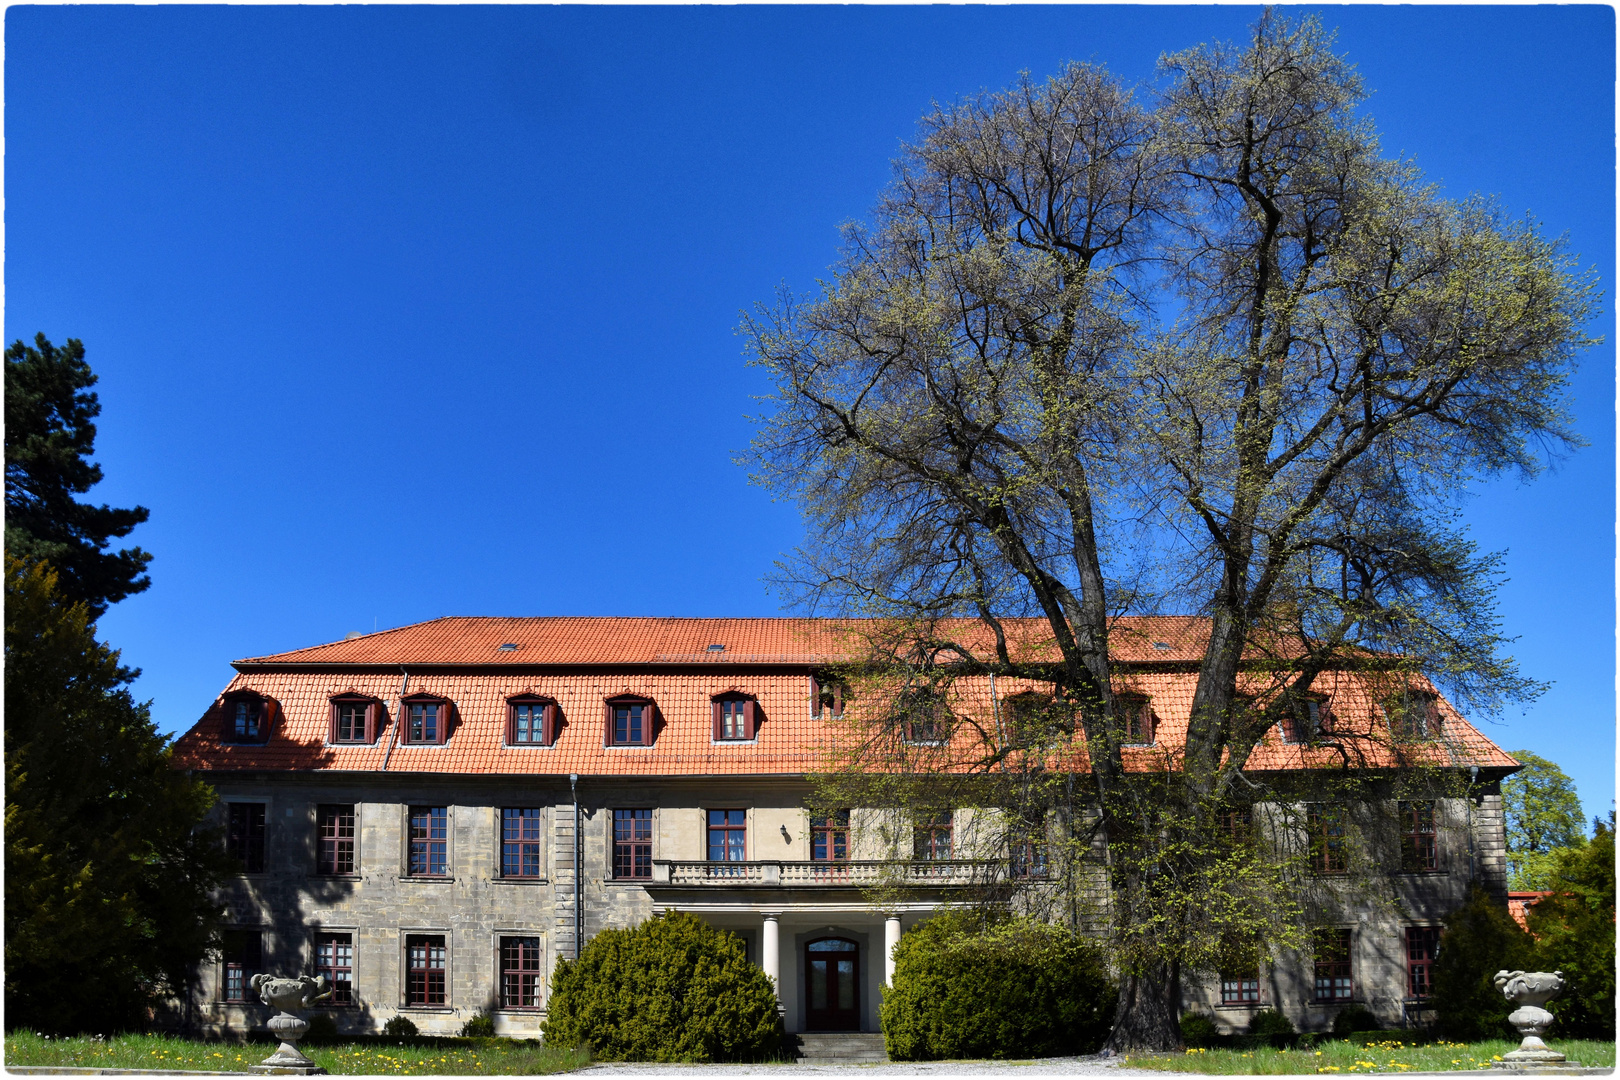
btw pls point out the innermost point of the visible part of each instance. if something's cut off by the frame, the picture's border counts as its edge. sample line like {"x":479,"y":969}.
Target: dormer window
{"x":1414,"y":714}
{"x":247,"y":718}
{"x":925,"y":717}
{"x":735,"y":716}
{"x":1306,"y":719}
{"x":1136,"y":718}
{"x":355,"y":719}
{"x":826,"y":697}
{"x":531,"y":720}
{"x":629,"y":721}
{"x":426,"y":720}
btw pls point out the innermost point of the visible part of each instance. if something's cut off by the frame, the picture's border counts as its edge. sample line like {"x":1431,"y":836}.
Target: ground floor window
{"x":1334,"y":980}
{"x":243,"y":956}
{"x":1422,"y":950}
{"x":424,"y":969}
{"x":520,"y":973}
{"x":334,"y":958}
{"x":1240,"y":987}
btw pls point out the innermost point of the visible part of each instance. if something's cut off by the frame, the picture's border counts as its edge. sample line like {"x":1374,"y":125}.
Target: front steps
{"x":838,"y":1048}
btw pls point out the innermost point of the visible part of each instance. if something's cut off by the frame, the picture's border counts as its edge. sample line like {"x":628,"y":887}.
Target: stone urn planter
{"x":1530,"y":990}
{"x":287,"y":997}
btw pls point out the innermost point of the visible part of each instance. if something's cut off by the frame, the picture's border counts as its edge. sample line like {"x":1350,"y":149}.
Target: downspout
{"x":1473,"y":779}
{"x":399,"y":717}
{"x":1001,"y":734}
{"x":579,"y":871}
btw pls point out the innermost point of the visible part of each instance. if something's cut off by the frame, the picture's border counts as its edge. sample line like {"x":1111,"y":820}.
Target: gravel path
{"x":1065,"y":1066}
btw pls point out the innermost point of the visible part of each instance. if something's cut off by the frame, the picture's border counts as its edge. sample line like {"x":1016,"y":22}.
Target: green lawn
{"x":1343,"y":1058}
{"x":492,"y":1058}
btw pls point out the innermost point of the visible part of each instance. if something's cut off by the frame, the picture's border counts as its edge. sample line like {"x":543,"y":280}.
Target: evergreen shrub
{"x":1273,"y":1026}
{"x":1355,"y":1018}
{"x":400,"y":1026}
{"x":1198,"y":1029}
{"x":480,"y":1024}
{"x":1009,"y":987}
{"x":671,"y":989}
{"x":1480,"y":939}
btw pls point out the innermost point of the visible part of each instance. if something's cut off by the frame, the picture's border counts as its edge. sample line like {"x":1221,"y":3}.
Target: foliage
{"x":1399,"y":1053}
{"x":1198,"y":1029}
{"x":49,"y":439}
{"x":1543,"y":818}
{"x":1010,"y":988}
{"x":104,"y":843}
{"x":1575,"y":927}
{"x":1353,"y":1019}
{"x":480,"y":1024}
{"x":322,"y":1028}
{"x":436,"y":1057}
{"x":1273,"y":1025}
{"x":1202,"y":347}
{"x":1480,"y":939}
{"x":671,"y":989}
{"x":400,"y":1025}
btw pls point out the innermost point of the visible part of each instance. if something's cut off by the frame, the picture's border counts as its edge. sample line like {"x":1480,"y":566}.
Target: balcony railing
{"x":825,"y":874}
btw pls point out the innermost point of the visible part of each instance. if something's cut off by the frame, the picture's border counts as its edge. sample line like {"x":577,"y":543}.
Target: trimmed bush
{"x":1198,"y":1030}
{"x":1353,"y":1019}
{"x":400,"y":1026}
{"x":480,"y":1025}
{"x":1009,"y":988}
{"x":1480,"y":939}
{"x":1272,"y":1026}
{"x":672,"y":989}
{"x":322,"y":1029}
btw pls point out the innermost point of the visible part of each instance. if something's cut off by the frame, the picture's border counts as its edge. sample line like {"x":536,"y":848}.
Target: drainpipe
{"x":399,"y":717}
{"x":1001,"y":734}
{"x":1473,"y":778}
{"x":579,"y":871}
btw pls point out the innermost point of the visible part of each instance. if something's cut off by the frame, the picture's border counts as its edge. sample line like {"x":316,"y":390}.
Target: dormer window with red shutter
{"x":735,"y":717}
{"x":531,"y":720}
{"x":247,"y":717}
{"x":425,"y":720}
{"x":355,"y":719}
{"x":1136,"y":718}
{"x":628,"y":720}
{"x":826,"y":697}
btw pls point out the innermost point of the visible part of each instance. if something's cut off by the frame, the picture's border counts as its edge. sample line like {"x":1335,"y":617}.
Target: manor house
{"x":433,"y":816}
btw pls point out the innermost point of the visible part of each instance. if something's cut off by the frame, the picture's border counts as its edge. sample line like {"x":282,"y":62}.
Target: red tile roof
{"x":581,"y":661}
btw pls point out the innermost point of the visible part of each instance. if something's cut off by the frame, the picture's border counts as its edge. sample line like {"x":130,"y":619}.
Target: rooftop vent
{"x":1162,"y":646}
{"x":717,"y":648}
{"x":509,"y":646}
{"x":352,"y":634}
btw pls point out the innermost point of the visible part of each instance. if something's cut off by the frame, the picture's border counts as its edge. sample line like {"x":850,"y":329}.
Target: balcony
{"x":813,"y":875}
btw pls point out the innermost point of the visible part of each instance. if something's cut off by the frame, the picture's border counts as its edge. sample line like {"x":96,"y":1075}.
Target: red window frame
{"x":244,"y":835}
{"x":531,"y":720}
{"x":734,"y":717}
{"x":521,"y":839}
{"x":354,"y":720}
{"x":1136,"y":710}
{"x":1240,"y":987}
{"x":242,"y":953}
{"x":628,"y":721}
{"x":425,"y":720}
{"x":1315,"y":721}
{"x":334,"y":958}
{"x":931,"y":837}
{"x":1414,"y":715}
{"x":335,"y":833}
{"x":1422,"y":950}
{"x":926,"y":720}
{"x":829,"y":837}
{"x":1420,"y":845}
{"x":520,"y":973}
{"x":1327,"y":825}
{"x":632,"y":843}
{"x":1237,"y":823}
{"x":728,"y":835}
{"x":246,"y":719}
{"x":425,"y":961}
{"x":826,"y":694}
{"x":429,"y":841}
{"x":1331,"y":966}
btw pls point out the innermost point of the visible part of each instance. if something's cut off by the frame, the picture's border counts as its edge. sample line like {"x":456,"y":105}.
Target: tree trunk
{"x":1148,"y":1015}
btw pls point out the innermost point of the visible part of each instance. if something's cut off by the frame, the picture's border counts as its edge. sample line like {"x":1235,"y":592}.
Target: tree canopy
{"x":109,"y":876}
{"x":50,"y":436}
{"x":1574,"y":927}
{"x":1195,"y":347}
{"x":1543,"y":818}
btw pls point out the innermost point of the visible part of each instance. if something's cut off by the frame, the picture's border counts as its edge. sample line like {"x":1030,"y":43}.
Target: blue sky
{"x":408,"y":312}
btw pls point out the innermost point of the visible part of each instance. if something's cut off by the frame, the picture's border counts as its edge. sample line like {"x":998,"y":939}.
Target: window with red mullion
{"x":244,"y":835}
{"x":1327,"y":829}
{"x":354,"y":720}
{"x":520,"y":973}
{"x":931,"y":838}
{"x":1334,"y":981}
{"x":336,"y":828}
{"x":1240,"y":988}
{"x":242,"y":955}
{"x":430,"y":841}
{"x":734,"y":719}
{"x":629,"y":723}
{"x":632,"y":843}
{"x":829,"y":837}
{"x":728,"y":833}
{"x":1422,"y":950}
{"x":1137,"y":713}
{"x":427,"y":722}
{"x":520,"y":842}
{"x":424,"y":970}
{"x":334,"y":958}
{"x":1419,"y":847}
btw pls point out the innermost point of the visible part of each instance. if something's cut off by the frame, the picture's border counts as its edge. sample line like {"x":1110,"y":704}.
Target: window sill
{"x":339,"y":745}
{"x":439,"y":1009}
{"x":432,"y":879}
{"x":1357,"y":1000}
{"x":1436,"y":872}
{"x":335,"y":877}
{"x":519,"y":881}
{"x":528,"y":746}
{"x":1245,"y":1007}
{"x":628,"y":746}
{"x":628,"y":880}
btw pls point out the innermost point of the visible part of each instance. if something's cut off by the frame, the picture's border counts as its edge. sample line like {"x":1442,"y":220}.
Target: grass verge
{"x":496,"y":1057}
{"x":1344,"y":1058}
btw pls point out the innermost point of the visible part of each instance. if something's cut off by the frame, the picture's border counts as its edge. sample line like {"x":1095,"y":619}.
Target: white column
{"x":771,"y":950}
{"x":891,"y":938}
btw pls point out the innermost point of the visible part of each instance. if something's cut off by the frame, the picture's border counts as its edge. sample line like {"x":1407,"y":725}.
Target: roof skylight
{"x":507,"y":647}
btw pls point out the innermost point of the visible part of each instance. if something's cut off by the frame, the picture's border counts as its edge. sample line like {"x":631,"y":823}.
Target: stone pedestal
{"x":1530,"y":990}
{"x":285,"y":995}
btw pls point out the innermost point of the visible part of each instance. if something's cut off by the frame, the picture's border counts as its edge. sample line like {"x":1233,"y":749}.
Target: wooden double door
{"x":832,"y":978}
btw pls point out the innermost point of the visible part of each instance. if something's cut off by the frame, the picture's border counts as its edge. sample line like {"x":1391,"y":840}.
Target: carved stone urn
{"x":287,"y":996}
{"x":1530,"y":990}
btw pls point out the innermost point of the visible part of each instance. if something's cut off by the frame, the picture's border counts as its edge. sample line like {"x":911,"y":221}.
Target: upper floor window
{"x":1327,"y":834}
{"x":632,"y":843}
{"x":829,"y":836}
{"x":520,"y":841}
{"x":931,"y":837}
{"x":247,"y":717}
{"x":629,"y":721}
{"x":242,"y":956}
{"x":244,"y":835}
{"x":335,"y":829}
{"x":430,"y":841}
{"x":1414,"y":714}
{"x":1420,"y":851}
{"x":1026,"y":845}
{"x":728,"y":835}
{"x":354,"y":720}
{"x":734,"y":717}
{"x":925,"y":717}
{"x":1136,"y":718}
{"x":531,"y":720}
{"x":1305,"y":719}
{"x":1027,"y":718}
{"x":427,"y":719}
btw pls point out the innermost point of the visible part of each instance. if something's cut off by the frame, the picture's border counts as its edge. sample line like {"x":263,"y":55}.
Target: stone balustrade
{"x":778,"y":873}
